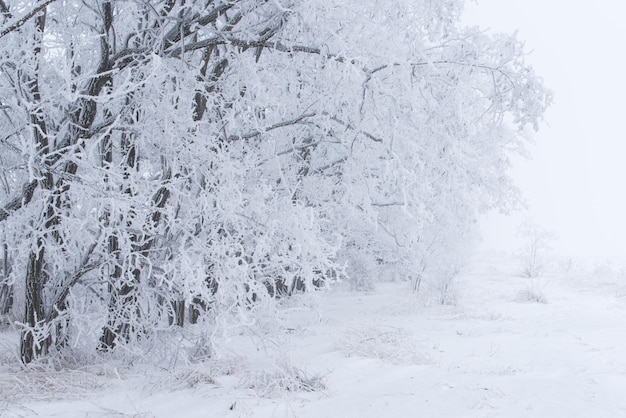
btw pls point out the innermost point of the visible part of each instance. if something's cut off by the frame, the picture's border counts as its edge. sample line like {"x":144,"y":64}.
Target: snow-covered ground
{"x":508,"y":347}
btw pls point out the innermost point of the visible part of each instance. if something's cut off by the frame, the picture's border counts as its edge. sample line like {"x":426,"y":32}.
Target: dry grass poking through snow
{"x":180,"y":379}
{"x":42,"y":384}
{"x":286,"y":378}
{"x":386,"y":343}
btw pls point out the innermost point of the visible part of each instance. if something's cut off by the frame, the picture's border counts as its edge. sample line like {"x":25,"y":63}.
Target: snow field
{"x":381,"y":353}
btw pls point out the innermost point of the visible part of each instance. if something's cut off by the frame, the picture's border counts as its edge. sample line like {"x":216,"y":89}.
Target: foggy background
{"x":574,"y":184}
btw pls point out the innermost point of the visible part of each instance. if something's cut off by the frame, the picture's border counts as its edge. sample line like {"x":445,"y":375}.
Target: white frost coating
{"x":207,"y":162}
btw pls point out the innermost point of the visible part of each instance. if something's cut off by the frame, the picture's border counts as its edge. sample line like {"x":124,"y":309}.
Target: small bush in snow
{"x":532,"y":293}
{"x":537,"y":246}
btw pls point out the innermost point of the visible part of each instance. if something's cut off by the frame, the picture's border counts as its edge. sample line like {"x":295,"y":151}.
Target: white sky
{"x":575,"y":183}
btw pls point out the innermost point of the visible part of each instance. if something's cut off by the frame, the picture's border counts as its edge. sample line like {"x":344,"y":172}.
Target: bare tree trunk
{"x":178,"y":313}
{"x":32,"y":345}
{"x":123,"y":308}
{"x":6,"y":290}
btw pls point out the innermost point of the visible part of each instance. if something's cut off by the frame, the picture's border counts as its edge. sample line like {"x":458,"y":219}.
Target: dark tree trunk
{"x":123,"y":309}
{"x":31,"y":344}
{"x":177,"y":316}
{"x":6,"y":290}
{"x":6,"y":299}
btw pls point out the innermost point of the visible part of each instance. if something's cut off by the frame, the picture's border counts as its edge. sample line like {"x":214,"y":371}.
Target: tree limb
{"x":21,"y":21}
{"x":85,"y":268}
{"x":27,"y":194}
{"x":329,"y":165}
{"x":352,"y":128}
{"x":255,"y":133}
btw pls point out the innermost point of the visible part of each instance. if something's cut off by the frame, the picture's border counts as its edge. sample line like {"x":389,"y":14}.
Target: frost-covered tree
{"x":172,"y":161}
{"x":536,"y":247}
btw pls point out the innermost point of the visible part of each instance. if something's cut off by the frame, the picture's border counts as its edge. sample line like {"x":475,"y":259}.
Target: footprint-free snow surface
{"x":553,"y":346}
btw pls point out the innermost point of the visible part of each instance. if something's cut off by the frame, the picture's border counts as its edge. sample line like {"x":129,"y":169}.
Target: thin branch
{"x":183,"y":28}
{"x":329,"y":165}
{"x":294,"y":148}
{"x":256,"y":133}
{"x":297,"y":148}
{"x":352,"y":128}
{"x":230,"y":40}
{"x":384,"y":205}
{"x":66,"y":289}
{"x":84,"y":269}
{"x":22,"y":21}
{"x":124,"y":58}
{"x":465,"y":64}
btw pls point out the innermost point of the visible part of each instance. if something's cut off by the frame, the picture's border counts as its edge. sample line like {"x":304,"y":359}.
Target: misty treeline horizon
{"x":171,"y":163}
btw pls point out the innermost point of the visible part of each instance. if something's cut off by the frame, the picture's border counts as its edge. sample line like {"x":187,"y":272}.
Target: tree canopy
{"x":171,"y":162}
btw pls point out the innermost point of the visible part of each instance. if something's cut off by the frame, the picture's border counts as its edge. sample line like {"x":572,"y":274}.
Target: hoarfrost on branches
{"x":168,"y":163}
